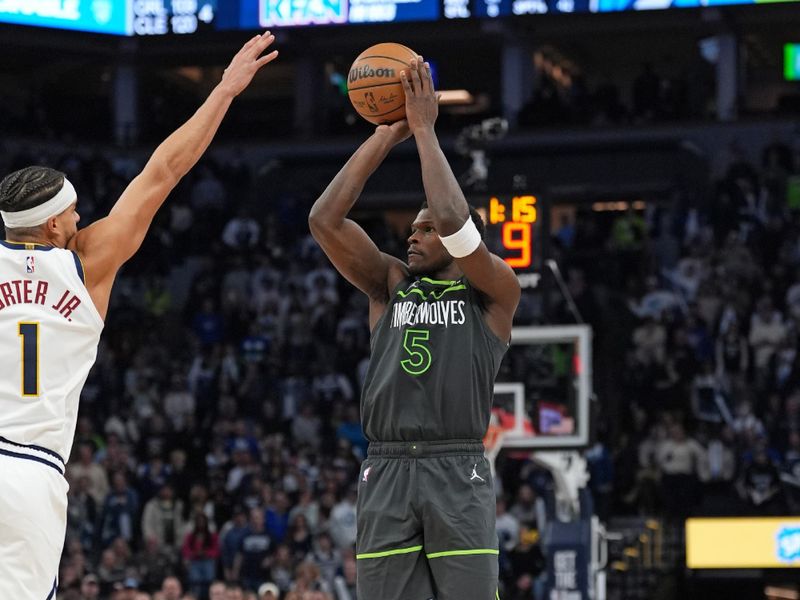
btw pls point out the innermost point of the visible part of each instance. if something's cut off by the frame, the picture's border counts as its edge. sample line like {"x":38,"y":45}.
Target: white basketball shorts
{"x":33,"y":522}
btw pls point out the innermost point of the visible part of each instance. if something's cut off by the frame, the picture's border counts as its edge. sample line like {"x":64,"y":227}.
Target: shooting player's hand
{"x":422,"y":102}
{"x":396,"y":132}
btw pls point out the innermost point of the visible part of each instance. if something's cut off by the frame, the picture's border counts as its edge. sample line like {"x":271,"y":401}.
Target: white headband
{"x":39,"y":214}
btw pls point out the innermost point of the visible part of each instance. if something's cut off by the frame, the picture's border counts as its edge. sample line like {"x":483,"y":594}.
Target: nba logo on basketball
{"x":29,"y":265}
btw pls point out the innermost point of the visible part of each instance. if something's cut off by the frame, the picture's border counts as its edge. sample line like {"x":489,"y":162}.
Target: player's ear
{"x":51,"y":225}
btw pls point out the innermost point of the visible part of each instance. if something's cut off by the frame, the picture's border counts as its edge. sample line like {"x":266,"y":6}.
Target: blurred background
{"x":646,"y":152}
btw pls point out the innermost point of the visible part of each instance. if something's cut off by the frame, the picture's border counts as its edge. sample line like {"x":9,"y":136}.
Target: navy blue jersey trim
{"x":53,"y":590}
{"x":25,"y":246}
{"x":33,"y":458}
{"x":33,"y":447}
{"x":79,"y":266}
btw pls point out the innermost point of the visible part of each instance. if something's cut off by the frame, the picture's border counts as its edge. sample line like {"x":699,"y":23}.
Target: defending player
{"x":55,"y":283}
{"x":440,"y":325}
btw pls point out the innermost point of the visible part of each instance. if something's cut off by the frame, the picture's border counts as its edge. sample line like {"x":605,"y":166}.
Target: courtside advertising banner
{"x":743,"y":543}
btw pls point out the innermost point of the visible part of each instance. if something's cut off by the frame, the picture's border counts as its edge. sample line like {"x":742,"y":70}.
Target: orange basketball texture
{"x":373,"y":83}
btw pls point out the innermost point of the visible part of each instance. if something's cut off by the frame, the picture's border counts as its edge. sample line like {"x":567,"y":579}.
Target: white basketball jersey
{"x":49,"y":331}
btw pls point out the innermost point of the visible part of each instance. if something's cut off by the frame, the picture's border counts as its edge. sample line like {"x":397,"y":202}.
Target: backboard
{"x":543,"y":390}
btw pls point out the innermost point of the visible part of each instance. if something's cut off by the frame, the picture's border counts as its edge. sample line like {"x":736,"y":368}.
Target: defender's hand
{"x":396,"y":132}
{"x":247,"y":62}
{"x":422,"y":102}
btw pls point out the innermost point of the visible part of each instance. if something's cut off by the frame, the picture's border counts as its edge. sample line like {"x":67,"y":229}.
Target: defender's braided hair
{"x":29,"y":187}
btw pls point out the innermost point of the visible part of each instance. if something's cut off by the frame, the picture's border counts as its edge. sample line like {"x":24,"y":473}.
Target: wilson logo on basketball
{"x":358,"y":73}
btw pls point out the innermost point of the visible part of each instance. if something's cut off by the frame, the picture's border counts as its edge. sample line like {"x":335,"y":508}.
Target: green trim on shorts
{"x":388,"y":552}
{"x":462,"y":552}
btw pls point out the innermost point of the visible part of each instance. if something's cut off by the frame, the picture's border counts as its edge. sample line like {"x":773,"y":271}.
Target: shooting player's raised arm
{"x":485,"y":271}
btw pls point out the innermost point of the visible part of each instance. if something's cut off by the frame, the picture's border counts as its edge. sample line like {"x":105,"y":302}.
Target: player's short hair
{"x":476,"y":218}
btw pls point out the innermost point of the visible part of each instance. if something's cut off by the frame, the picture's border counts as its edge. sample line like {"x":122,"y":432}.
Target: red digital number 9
{"x":517,"y":237}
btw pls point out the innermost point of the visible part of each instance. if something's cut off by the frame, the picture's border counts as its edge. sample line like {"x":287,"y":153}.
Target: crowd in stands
{"x":707,"y":384}
{"x":218,"y":444}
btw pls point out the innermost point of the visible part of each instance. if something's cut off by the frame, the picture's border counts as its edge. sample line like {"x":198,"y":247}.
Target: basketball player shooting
{"x":441,"y":323}
{"x":55,"y":283}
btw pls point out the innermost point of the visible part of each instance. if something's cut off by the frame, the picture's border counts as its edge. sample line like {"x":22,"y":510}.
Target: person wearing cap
{"x":90,"y":587}
{"x":126,"y":589}
{"x":268,"y":591}
{"x":57,"y":284}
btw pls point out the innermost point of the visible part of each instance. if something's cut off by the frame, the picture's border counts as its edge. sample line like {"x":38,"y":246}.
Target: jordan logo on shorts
{"x":475,"y":474}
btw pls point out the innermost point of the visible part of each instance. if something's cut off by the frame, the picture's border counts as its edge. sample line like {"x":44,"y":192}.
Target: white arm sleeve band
{"x":464,"y":241}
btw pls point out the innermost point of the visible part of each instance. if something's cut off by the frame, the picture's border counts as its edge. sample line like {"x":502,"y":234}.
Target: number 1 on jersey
{"x":29,"y":336}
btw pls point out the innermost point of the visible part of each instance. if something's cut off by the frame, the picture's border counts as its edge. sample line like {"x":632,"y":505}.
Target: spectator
{"x":345,"y":584}
{"x":252,"y":560}
{"x":343,"y":520}
{"x":507,"y":527}
{"x":232,"y":535}
{"x":171,"y":588}
{"x":179,"y":403}
{"x":327,"y":558}
{"x":678,"y":458}
{"x":216,"y":591}
{"x":242,"y":232}
{"x":732,"y":357}
{"x":200,"y":552}
{"x":277,"y":517}
{"x":308,"y":507}
{"x":268,"y":591}
{"x":234,"y":592}
{"x":111,"y":570}
{"x":718,"y":471}
{"x":155,"y":562}
{"x":163,"y":518}
{"x":767,"y":330}
{"x":120,"y":511}
{"x":524,"y":509}
{"x":306,"y":428}
{"x":90,"y":587}
{"x":760,"y":485}
{"x":350,"y":430}
{"x":299,"y":537}
{"x":82,"y":513}
{"x":85,"y":466}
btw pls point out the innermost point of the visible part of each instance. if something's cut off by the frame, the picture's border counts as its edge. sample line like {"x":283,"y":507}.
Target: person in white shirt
{"x":55,"y":286}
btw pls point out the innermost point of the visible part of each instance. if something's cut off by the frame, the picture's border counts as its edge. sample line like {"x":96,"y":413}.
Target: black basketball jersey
{"x":433,"y":365}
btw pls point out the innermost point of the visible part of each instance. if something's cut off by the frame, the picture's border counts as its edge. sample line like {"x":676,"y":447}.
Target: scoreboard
{"x":159,"y":17}
{"x":514,"y":233}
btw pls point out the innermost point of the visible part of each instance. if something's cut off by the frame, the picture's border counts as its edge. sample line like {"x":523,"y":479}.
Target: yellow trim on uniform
{"x":409,"y":550}
{"x":462,"y":553}
{"x":36,"y":324}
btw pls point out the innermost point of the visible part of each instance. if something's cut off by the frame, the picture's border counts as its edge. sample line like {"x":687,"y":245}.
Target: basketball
{"x":373,"y":83}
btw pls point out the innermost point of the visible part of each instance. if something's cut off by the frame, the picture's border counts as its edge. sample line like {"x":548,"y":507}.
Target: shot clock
{"x":513,"y":231}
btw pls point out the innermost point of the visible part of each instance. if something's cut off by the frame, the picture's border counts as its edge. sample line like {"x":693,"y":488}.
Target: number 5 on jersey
{"x":29,"y":338}
{"x":420,"y":358}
